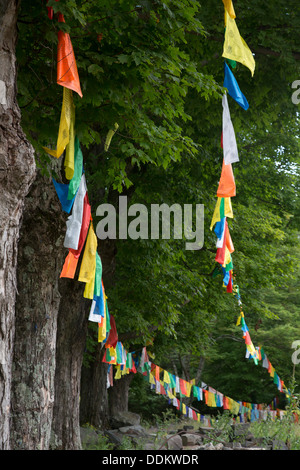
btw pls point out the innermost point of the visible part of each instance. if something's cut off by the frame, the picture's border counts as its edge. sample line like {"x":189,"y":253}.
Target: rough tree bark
{"x":118,"y":395}
{"x":40,"y":258}
{"x":94,"y":399}
{"x":17,"y":170}
{"x":71,"y":341}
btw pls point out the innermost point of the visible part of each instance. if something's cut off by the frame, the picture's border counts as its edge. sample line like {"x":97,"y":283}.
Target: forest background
{"x":156,"y":69}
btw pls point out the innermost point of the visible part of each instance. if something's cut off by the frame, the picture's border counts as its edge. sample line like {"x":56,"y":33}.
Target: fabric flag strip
{"x":226,"y":186}
{"x":75,"y":220}
{"x":233,"y":88}
{"x":88,"y":264}
{"x":62,"y":191}
{"x":223,"y":208}
{"x":229,"y":8}
{"x":230,"y":151}
{"x":67,"y":73}
{"x":67,"y":112}
{"x":235,"y":48}
{"x":78,"y":169}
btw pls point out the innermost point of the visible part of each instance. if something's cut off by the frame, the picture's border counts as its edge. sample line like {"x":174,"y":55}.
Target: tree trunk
{"x":94,"y":398}
{"x":118,"y":394}
{"x":40,"y":258}
{"x":71,"y":341}
{"x":17,"y":170}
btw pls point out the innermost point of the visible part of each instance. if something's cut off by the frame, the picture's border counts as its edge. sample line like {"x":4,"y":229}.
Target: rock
{"x":114,"y":436}
{"x":174,"y":443}
{"x":190,"y":439}
{"x":135,"y":430}
{"x":279,"y":445}
{"x":186,"y":428}
{"x":88,"y":437}
{"x":124,"y":418}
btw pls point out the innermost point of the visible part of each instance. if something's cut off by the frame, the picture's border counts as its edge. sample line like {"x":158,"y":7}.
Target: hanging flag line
{"x":169,"y":385}
{"x":80,"y":235}
{"x":235,"y":50}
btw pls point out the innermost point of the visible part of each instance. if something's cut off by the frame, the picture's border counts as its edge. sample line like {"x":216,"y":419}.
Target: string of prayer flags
{"x":233,"y":88}
{"x":235,"y":48}
{"x":245,"y":411}
{"x":230,"y":150}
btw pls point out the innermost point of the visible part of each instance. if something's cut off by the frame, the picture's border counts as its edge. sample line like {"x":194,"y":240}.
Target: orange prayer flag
{"x":67,"y":73}
{"x":228,"y":241}
{"x":227,"y":183}
{"x":69,"y":267}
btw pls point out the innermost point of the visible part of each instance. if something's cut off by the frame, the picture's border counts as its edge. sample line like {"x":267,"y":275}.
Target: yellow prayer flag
{"x":188,"y":387}
{"x":227,"y":211}
{"x":166,"y":377}
{"x":88,"y":264}
{"x":238,"y":322}
{"x":183,"y":408}
{"x":118,"y":373}
{"x":216,"y":215}
{"x":229,"y":7}
{"x":64,"y":125}
{"x":228,"y":207}
{"x":102,"y":330}
{"x":89,"y":289}
{"x":70,"y":148}
{"x":235,"y":48}
{"x":227,"y":258}
{"x":151,"y":378}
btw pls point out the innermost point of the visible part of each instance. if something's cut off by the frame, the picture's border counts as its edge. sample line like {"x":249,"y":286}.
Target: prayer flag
{"x":67,"y":111}
{"x":78,"y":166}
{"x":62,"y":191}
{"x":229,"y":7}
{"x":235,"y":48}
{"x":230,"y":150}
{"x":67,"y":73}
{"x":88,"y":264}
{"x":233,"y":88}
{"x":227,"y":183}
{"x":75,"y":219}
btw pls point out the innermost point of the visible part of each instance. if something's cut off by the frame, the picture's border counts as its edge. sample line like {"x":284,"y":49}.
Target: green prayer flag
{"x":98,"y":276}
{"x":78,"y":163}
